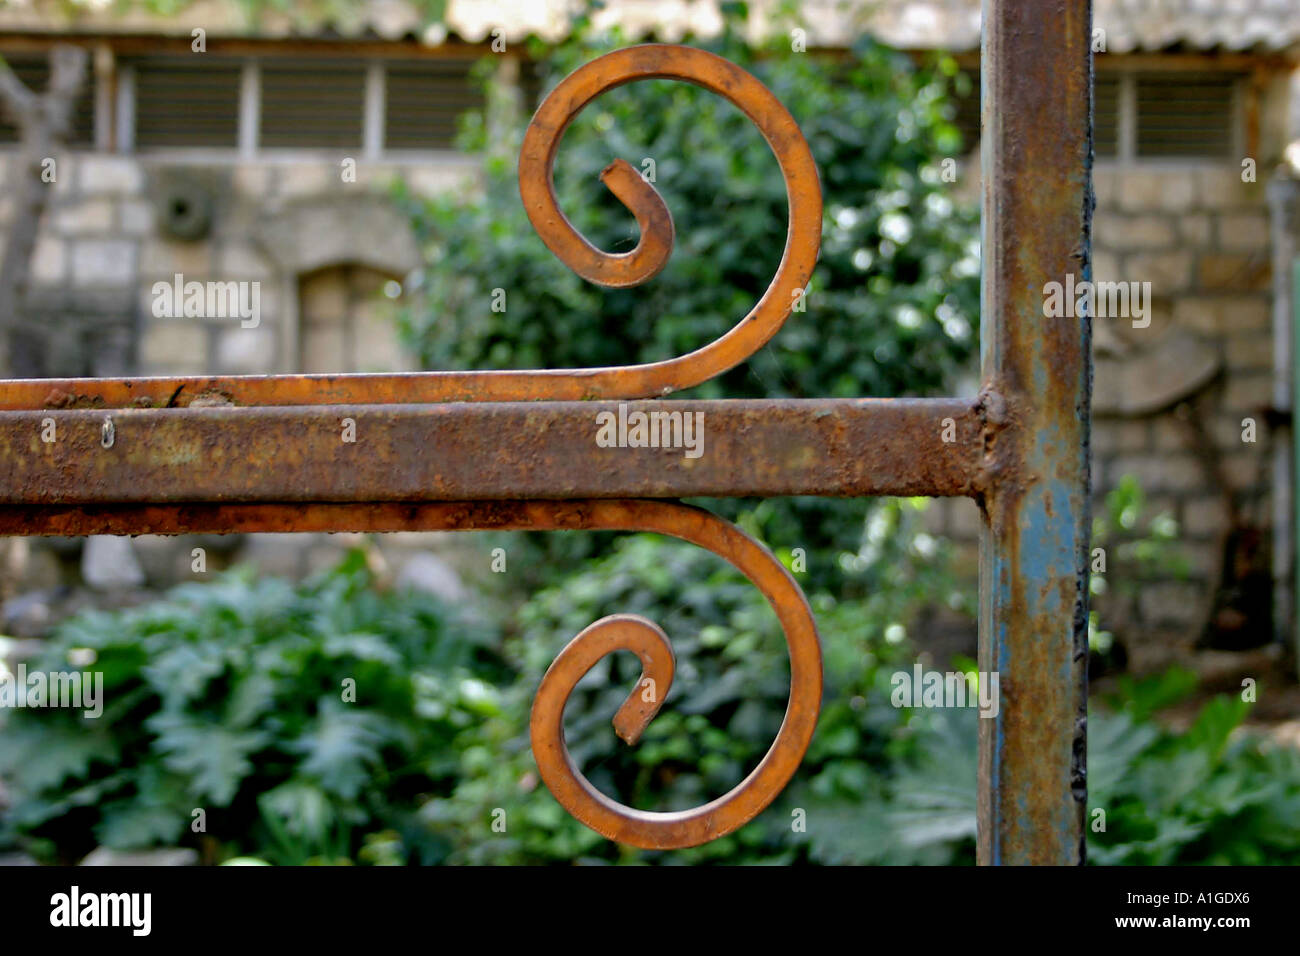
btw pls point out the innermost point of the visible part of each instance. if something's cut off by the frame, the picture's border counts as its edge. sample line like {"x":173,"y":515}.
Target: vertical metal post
{"x":1293,"y":604}
{"x":1284,"y":222}
{"x":1037,"y":92}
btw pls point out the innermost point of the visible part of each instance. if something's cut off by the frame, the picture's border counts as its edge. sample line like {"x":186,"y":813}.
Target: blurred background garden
{"x":227,"y":702}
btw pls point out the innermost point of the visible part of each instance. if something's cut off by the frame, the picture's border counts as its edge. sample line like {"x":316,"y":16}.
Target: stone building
{"x":265,"y":158}
{"x":1197,"y":146}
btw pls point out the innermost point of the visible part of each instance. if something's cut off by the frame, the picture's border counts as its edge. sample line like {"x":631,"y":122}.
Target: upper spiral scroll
{"x":619,"y":270}
{"x":536,"y":161}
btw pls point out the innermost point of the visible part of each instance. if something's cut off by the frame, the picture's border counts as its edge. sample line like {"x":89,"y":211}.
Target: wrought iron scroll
{"x":29,"y":506}
{"x":614,"y":633}
{"x":513,"y":449}
{"x":632,"y":633}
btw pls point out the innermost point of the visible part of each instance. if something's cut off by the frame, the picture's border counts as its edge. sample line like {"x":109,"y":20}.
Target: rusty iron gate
{"x":516,"y":450}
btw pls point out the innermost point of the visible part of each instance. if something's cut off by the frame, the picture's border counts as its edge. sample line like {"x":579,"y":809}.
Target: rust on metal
{"x":672,"y":830}
{"x":264,"y":453}
{"x":506,"y":450}
{"x":741,"y":448}
{"x":1033,"y":585}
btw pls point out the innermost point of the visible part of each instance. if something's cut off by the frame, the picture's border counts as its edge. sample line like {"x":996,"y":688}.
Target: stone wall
{"x":1170,"y":399}
{"x":299,"y":230}
{"x":103,"y":246}
{"x":1197,"y":233}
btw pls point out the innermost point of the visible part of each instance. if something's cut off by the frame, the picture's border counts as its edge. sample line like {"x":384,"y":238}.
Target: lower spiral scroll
{"x":682,"y":828}
{"x":661,"y":831}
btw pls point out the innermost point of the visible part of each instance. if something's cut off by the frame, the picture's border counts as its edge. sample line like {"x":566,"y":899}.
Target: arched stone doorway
{"x":345,"y":322}
{"x":337,"y":255}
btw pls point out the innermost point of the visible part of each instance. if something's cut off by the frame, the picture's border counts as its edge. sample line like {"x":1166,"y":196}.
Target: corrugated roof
{"x":1130,"y":25}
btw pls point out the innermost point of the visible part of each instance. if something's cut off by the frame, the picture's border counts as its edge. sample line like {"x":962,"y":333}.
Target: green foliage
{"x":891,"y":309}
{"x":892,"y":305}
{"x":1135,"y":549}
{"x":1213,"y":794}
{"x":226,"y":696}
{"x":229,"y":697}
{"x":874,"y":787}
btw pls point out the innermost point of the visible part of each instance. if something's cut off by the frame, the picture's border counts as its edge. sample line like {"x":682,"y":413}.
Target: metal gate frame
{"x":515,"y":450}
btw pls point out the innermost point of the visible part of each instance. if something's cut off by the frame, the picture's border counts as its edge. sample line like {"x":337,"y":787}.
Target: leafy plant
{"x":1133,"y":549}
{"x":300,"y":720}
{"x":1215,"y":794}
{"x":723,"y":712}
{"x":226,"y":697}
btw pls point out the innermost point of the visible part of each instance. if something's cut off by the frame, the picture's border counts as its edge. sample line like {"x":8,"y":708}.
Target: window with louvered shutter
{"x":424,"y":100}
{"x":1105,"y":116}
{"x":966,"y":117}
{"x":312,"y":104}
{"x":1184,"y":115}
{"x":34,"y":72}
{"x":194,"y":102}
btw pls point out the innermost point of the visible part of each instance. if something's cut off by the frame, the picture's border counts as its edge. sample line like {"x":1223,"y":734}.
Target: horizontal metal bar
{"x":497,"y":451}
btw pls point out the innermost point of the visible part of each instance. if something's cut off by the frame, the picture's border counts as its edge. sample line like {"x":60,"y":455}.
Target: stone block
{"x":1159,"y":472}
{"x":1105,"y":185}
{"x":1243,"y":472}
{"x":88,"y":217}
{"x":1105,"y":266}
{"x":1244,"y":232}
{"x":243,"y":261}
{"x":253,"y":179}
{"x":425,"y":571}
{"x":1221,"y":187}
{"x":278,"y":554}
{"x":65,"y":176}
{"x":104,"y":174}
{"x":309,"y":179}
{"x":1234,"y":272}
{"x":1195,"y":230}
{"x":1176,"y":603}
{"x":49,"y":260}
{"x":1137,"y":232}
{"x":444,"y":177}
{"x":160,"y":259}
{"x":245,"y":351}
{"x":1204,"y":517}
{"x":1131,"y":436}
{"x":323,"y":349}
{"x":1178,"y":190}
{"x":108,"y":563}
{"x":378,"y":348}
{"x":1249,"y":351}
{"x":1168,"y":272}
{"x":1139,"y":189}
{"x":174,"y":346}
{"x":1247,"y":313}
{"x":103,"y":262}
{"x":135,"y":217}
{"x":1248,"y":393}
